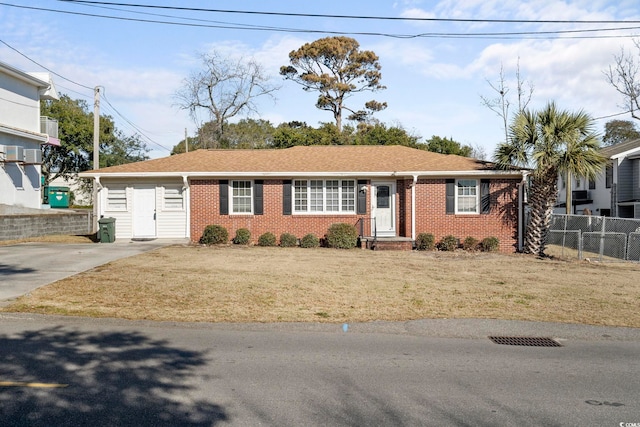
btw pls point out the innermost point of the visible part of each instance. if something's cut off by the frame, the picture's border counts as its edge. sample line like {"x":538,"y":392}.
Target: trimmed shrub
{"x":267,"y":239}
{"x":448,"y":243}
{"x":214,"y":235}
{"x":342,"y":236}
{"x":470,"y":244}
{"x":243,"y":236}
{"x":425,"y":242}
{"x":288,"y":240}
{"x":489,"y":244}
{"x":309,"y":241}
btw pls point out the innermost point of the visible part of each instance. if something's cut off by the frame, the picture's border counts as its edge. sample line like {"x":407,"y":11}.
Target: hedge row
{"x":338,"y":237}
{"x":427,"y":242}
{"x":343,"y":236}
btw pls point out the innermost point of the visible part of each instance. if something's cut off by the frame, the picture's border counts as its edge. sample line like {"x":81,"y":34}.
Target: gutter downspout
{"x":187,"y":202}
{"x":521,"y":215}
{"x":96,"y":204}
{"x":413,"y":207}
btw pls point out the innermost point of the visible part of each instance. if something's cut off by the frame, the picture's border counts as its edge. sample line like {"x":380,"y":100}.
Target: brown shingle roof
{"x":621,"y":147}
{"x":312,"y":159}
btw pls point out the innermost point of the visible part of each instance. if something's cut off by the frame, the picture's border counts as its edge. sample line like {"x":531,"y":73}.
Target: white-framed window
{"x":324,"y":196}
{"x":467,"y":196}
{"x":241,"y":199}
{"x":173,"y":198}
{"x":117,"y":199}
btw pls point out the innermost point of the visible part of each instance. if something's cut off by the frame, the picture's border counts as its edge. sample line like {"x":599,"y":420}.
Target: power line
{"x":612,"y":115}
{"x":191,"y":19}
{"x":134,"y":126}
{"x":42,"y":66}
{"x":497,"y":35}
{"x":362,"y":17}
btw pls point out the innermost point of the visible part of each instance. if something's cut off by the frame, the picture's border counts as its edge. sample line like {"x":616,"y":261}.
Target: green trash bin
{"x":107,"y":230}
{"x":59,"y":197}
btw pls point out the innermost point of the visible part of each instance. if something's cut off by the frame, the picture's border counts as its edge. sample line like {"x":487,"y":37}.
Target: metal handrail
{"x":361,"y":227}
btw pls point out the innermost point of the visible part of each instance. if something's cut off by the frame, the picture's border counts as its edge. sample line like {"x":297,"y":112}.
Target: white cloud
{"x":417,"y":13}
{"x":568,"y":71}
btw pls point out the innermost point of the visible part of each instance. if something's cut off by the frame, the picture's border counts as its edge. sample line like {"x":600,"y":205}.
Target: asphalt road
{"x":27,"y":266}
{"x":57,"y":371}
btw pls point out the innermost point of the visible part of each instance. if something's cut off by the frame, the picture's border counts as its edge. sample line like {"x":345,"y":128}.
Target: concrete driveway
{"x":27,"y":266}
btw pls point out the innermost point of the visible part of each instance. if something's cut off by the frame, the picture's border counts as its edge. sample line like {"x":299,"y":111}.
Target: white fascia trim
{"x":626,"y":153}
{"x":495,"y":173}
{"x":403,"y":174}
{"x":21,"y":75}
{"x":39,"y":137}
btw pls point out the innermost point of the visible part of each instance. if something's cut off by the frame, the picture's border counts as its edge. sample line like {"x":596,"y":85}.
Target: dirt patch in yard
{"x":253,"y":284}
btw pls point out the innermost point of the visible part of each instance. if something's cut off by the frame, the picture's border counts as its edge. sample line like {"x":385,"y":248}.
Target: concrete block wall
{"x":23,"y":226}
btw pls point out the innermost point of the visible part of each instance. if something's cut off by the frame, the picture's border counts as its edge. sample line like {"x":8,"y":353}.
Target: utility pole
{"x":96,"y":154}
{"x":96,"y":128}
{"x":186,"y":143}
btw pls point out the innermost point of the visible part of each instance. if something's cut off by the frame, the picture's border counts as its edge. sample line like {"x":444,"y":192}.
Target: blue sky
{"x":434,"y":84}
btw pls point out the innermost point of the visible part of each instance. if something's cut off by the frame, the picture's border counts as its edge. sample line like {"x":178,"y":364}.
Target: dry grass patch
{"x":253,"y":284}
{"x":54,"y":238}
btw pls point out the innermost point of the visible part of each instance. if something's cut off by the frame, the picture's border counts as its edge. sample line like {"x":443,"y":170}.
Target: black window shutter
{"x":362,"y":197}
{"x":286,"y":197}
{"x":451,"y":196}
{"x":258,"y":199}
{"x":224,"y":197}
{"x":485,"y":197}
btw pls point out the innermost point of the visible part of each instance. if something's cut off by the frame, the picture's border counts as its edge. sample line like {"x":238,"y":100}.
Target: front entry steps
{"x":387,"y":243}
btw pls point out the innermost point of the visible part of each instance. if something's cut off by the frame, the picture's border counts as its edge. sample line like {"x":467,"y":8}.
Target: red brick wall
{"x":501,"y":222}
{"x":205,"y":210}
{"x":431,"y":214}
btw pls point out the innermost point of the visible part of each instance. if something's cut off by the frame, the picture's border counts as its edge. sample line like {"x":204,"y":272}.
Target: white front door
{"x":383,"y":202}
{"x":144,"y":212}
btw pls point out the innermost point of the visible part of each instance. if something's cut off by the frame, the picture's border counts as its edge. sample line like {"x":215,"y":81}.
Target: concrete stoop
{"x":387,"y":243}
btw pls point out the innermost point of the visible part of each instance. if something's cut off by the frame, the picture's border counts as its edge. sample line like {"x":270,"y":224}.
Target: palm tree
{"x":549,"y":142}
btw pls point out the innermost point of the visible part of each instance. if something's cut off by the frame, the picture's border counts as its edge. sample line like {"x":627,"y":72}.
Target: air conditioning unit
{"x":14,"y":153}
{"x":33,"y":157}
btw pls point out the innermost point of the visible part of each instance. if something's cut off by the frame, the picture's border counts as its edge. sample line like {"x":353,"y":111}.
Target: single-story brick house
{"x":387,"y":191}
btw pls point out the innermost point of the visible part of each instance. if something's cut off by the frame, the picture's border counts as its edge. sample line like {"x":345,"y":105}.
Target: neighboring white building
{"x":79,"y":195}
{"x":22,"y":133}
{"x":615,"y":191}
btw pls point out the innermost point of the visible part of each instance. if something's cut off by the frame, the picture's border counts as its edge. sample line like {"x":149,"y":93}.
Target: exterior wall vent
{"x":33,"y":157}
{"x":14,"y":153}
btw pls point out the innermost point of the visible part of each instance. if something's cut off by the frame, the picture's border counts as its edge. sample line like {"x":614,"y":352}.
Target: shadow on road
{"x":114,"y":378}
{"x":9,"y":269}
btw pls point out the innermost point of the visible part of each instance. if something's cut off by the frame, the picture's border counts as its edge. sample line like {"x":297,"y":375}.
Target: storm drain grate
{"x":526,"y":341}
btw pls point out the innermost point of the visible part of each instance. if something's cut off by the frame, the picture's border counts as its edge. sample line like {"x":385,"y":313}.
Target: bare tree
{"x":478,"y":152}
{"x":224,"y":88}
{"x":501,"y":103}
{"x":624,"y":76}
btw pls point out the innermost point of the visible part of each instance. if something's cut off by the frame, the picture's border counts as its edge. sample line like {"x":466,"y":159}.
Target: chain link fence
{"x":594,"y":237}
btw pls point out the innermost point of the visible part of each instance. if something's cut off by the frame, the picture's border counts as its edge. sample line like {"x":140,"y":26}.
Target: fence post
{"x":564,"y":233}
{"x":604,"y":220}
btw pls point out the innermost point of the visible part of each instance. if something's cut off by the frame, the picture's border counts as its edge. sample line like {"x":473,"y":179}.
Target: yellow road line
{"x":31,"y":385}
